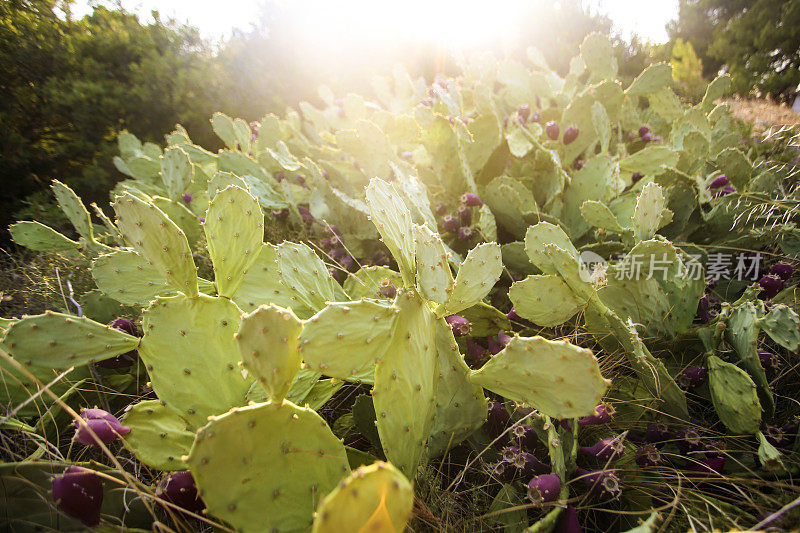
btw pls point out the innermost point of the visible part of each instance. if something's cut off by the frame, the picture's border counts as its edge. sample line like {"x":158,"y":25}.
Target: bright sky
{"x":217,"y":18}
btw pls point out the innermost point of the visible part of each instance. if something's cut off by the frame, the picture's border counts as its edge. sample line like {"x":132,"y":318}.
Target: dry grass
{"x":763,"y":113}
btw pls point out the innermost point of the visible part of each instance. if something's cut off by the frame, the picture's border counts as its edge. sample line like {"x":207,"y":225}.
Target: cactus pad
{"x":557,"y":378}
{"x":265,"y":467}
{"x":734,"y":396}
{"x":159,"y":240}
{"x":176,"y":171}
{"x":393,"y":220}
{"x":366,"y":282}
{"x":543,"y":234}
{"x":783,"y":326}
{"x":158,"y":436}
{"x":476,"y":276}
{"x":306,"y":277}
{"x":375,"y":498}
{"x":545,"y":300}
{"x":125,"y":276}
{"x":37,"y":236}
{"x":234,"y":230}
{"x":433,"y":269}
{"x":56,"y":340}
{"x":267,"y":340}
{"x":262,"y":285}
{"x":651,"y":212}
{"x":73,"y":207}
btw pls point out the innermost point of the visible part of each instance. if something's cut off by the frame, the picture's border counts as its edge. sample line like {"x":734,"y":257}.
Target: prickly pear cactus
{"x":192,"y":356}
{"x":267,"y":340}
{"x":734,"y":395}
{"x":56,"y":340}
{"x":159,"y":437}
{"x":393,"y":220}
{"x":373,"y":498}
{"x":306,"y":277}
{"x":742,"y":335}
{"x":476,"y":276}
{"x":559,"y":379}
{"x":37,"y":236}
{"x":783,"y":326}
{"x":434,"y":277}
{"x":266,"y":466}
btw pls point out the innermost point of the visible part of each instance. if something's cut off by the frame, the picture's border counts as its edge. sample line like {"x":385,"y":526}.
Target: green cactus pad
{"x":783,"y":326}
{"x":543,"y":234}
{"x":322,"y":391}
{"x":223,"y":126}
{"x":158,"y":436}
{"x":159,"y":240}
{"x":652,"y":79}
{"x":73,"y":207}
{"x":344,"y":339}
{"x":557,"y":378}
{"x":234,"y":230}
{"x":598,"y":215}
{"x":768,"y":455}
{"x":37,"y":236}
{"x":650,"y":161}
{"x":176,"y":171}
{"x":651,"y":212}
{"x":223,"y":180}
{"x":393,"y":220}
{"x":261,"y":285}
{"x":266,"y":467}
{"x":476,"y":277}
{"x":181,"y":216}
{"x":306,"y":277}
{"x":485,"y":320}
{"x":301,"y":387}
{"x":56,"y":340}
{"x":405,"y":384}
{"x":366,"y":282}
{"x":267,"y":340}
{"x":742,"y":334}
{"x":544,"y":300}
{"x":373,"y":498}
{"x":734,"y":396}
{"x":433,"y":269}
{"x":192,"y":356}
{"x":460,"y":404}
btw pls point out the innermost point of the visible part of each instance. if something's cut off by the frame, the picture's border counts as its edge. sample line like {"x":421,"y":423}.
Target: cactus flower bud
{"x":636,"y":177}
{"x":450,"y":224}
{"x":464,"y":214}
{"x":471,"y":199}
{"x":552,"y":130}
{"x":602,"y":415}
{"x":692,"y":376}
{"x":103,"y":424}
{"x":648,"y":456}
{"x":657,"y":432}
{"x":497,"y":419}
{"x":465,"y":233}
{"x":570,"y":134}
{"x":719,"y":181}
{"x":78,"y":492}
{"x":771,"y":286}
{"x":689,"y":440}
{"x":523,"y":112}
{"x":644,"y":130}
{"x":306,"y":215}
{"x":460,"y":325}
{"x":544,"y":488}
{"x":187,"y":197}
{"x":600,"y":483}
{"x":782,"y":270}
{"x":497,"y":345}
{"x":180,"y":489}
{"x":606,"y":449}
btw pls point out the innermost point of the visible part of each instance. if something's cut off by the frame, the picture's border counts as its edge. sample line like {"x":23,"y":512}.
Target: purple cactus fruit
{"x":465,"y":233}
{"x":337,"y":254}
{"x":460,"y":325}
{"x":704,"y":309}
{"x":497,"y":344}
{"x":78,"y":492}
{"x":180,"y":489}
{"x":128,"y":358}
{"x":348,"y":263}
{"x":692,"y":376}
{"x":464,"y":215}
{"x":769,"y":361}
{"x":644,"y":130}
{"x":569,"y":523}
{"x":497,"y":419}
{"x":723,"y":192}
{"x":647,"y":137}
{"x":536,"y":117}
{"x":126,"y":325}
{"x":602,"y":415}
{"x":782,"y":270}
{"x":387,"y":288}
{"x":306,"y":215}
{"x":523,"y":112}
{"x":771,"y":286}
{"x":552,"y":130}
{"x":524,"y":435}
{"x":776,"y":436}
{"x":102,"y":423}
{"x":300,"y":180}
{"x":570,"y":134}
{"x":648,"y":456}
{"x":280,"y":176}
{"x":657,"y":432}
{"x":336,"y":273}
{"x":380,"y":258}
{"x":333,"y":230}
{"x":715,"y":448}
{"x":512,"y":315}
{"x":407,"y":155}
{"x":450,"y":224}
{"x":635,"y":177}
{"x":578,"y":164}
{"x":441,"y":208}
{"x":326,"y":244}
{"x":689,"y":440}
{"x":719,"y":181}
{"x":280,"y":214}
{"x":476,"y":355}
{"x":601,"y":482}
{"x":187,"y":197}
{"x":544,"y":488}
{"x":471,"y":199}
{"x":708,"y":467}
{"x":606,"y":449}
